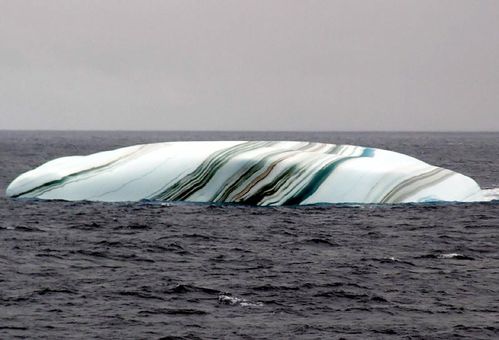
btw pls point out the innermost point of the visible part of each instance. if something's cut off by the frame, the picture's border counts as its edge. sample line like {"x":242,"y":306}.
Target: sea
{"x":156,"y":270}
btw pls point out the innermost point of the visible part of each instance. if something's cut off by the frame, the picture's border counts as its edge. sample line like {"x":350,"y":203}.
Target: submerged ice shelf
{"x":247,"y":172}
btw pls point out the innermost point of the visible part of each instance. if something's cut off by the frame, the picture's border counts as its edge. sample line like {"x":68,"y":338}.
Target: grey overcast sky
{"x":250,"y":65}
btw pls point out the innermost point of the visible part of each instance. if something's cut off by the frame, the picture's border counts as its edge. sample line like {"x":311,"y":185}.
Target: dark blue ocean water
{"x":175,"y":271}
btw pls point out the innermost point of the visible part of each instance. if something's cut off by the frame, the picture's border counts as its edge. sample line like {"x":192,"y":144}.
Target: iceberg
{"x":263,"y":173}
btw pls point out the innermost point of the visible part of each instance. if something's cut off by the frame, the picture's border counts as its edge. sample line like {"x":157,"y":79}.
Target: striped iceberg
{"x":247,"y":172}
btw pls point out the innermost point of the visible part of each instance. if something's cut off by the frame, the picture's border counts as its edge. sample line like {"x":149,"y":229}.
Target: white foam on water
{"x":450,"y":256}
{"x":490,"y":194}
{"x":233,"y":301}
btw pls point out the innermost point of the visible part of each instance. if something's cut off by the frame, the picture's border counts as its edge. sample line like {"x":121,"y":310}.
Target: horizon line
{"x":251,"y":131}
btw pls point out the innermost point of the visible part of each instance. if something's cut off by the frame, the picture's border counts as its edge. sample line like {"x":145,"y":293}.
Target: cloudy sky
{"x":250,"y":65}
